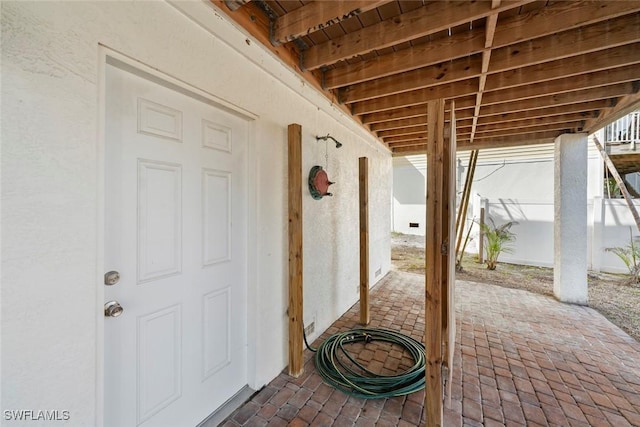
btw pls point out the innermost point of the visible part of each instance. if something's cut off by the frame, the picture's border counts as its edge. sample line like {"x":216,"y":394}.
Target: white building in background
{"x":516,"y":184}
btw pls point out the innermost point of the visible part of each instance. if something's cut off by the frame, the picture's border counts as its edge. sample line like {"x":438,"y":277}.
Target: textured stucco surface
{"x":51,"y":192}
{"x":570,"y":219}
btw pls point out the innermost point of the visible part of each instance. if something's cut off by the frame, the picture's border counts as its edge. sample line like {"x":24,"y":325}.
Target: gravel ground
{"x":609,"y":294}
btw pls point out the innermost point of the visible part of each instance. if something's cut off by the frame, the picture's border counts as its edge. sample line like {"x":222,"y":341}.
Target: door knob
{"x":113,"y":309}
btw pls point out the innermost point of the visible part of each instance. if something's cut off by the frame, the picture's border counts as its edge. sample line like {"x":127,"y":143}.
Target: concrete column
{"x":570,"y":218}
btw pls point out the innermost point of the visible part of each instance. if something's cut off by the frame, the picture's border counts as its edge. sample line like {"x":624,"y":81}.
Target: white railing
{"x":624,"y":131}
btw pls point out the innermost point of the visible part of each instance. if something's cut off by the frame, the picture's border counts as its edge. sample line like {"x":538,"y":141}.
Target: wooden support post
{"x":464,"y":205}
{"x":363,"y":166}
{"x":448,"y":280}
{"x":434,"y":264}
{"x":296,"y":359}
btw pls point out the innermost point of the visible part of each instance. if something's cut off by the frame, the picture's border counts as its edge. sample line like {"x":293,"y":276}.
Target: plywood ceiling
{"x":520,"y":71}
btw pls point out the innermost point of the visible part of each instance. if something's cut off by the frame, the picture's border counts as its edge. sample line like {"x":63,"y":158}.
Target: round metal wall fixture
{"x":319,"y":183}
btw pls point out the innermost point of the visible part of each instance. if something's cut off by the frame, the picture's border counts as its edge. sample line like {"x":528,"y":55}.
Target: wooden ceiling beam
{"x":449,"y":72}
{"x":551,"y":104}
{"x":566,"y":44}
{"x":414,"y":111}
{"x":516,"y":141}
{"x":470,"y":86}
{"x":562,"y":17}
{"x":446,"y":91}
{"x":616,"y":57}
{"x":539,"y":121}
{"x":440,"y":50}
{"x":567,"y":84}
{"x":541,"y":49}
{"x":587,"y":109}
{"x":408,"y":130}
{"x":515,"y":105}
{"x":316,"y":15}
{"x":624,"y":106}
{"x":429,"y":19}
{"x":417,"y":127}
{"x":569,"y":127}
{"x":490,"y":28}
{"x":472,"y":67}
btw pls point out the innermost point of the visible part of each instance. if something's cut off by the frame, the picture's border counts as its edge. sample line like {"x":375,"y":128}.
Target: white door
{"x":176,"y":234}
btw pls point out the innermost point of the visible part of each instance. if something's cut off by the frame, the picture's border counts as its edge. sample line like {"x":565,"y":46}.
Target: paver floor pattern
{"x":521,"y":359}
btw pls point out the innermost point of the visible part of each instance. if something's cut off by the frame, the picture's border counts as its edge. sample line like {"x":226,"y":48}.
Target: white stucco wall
{"x":51,"y":192}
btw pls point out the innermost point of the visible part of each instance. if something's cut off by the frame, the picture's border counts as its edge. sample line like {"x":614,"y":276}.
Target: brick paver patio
{"x":521,"y":360}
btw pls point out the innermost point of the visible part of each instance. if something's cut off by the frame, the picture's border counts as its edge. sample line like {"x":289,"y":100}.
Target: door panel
{"x":175,"y":215}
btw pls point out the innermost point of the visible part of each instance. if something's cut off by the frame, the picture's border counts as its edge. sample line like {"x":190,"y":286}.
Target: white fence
{"x":609,"y":225}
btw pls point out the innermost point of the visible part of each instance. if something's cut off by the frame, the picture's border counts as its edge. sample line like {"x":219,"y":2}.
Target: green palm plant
{"x":497,"y":240}
{"x":630,"y":256}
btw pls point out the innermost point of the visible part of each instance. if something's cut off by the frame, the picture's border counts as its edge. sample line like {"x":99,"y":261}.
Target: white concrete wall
{"x":516,"y":185}
{"x":51,"y":192}
{"x":409,"y":194}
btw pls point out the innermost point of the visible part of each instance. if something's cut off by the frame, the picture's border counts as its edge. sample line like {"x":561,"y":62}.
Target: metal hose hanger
{"x":339,"y":369}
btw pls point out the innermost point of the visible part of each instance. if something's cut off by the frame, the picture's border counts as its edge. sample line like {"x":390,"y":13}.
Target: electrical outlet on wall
{"x":378,"y":271}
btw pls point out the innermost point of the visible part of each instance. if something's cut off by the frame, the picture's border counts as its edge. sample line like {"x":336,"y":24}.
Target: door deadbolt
{"x":113,"y":309}
{"x":111,"y":278}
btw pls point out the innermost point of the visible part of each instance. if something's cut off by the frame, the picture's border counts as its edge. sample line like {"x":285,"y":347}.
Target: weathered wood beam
{"x":575,"y":126}
{"x":473,"y":67}
{"x":416,"y":97}
{"x":524,"y":140}
{"x":625,"y":105}
{"x":316,"y":15}
{"x":449,"y":72}
{"x":616,"y":57}
{"x":539,"y":116}
{"x":537,"y":106}
{"x":543,"y":47}
{"x":429,"y":19}
{"x":562,"y":17}
{"x":516,"y":105}
{"x":466,"y":87}
{"x":450,"y":172}
{"x":539,"y":121}
{"x":296,"y":326}
{"x":592,"y":38}
{"x":490,"y":28}
{"x":435,"y":183}
{"x":413,"y":130}
{"x":567,"y":84}
{"x":363,"y":182}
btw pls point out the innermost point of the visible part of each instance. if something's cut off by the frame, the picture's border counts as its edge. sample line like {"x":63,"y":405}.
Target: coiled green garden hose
{"x":331,"y":363}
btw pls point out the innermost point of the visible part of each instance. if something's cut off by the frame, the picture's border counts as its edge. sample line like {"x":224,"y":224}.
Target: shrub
{"x":497,"y":239}
{"x":630,"y":256}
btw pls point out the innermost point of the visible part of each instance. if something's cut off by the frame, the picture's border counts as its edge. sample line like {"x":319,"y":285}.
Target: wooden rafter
{"x":430,"y":19}
{"x":317,"y":15}
{"x":520,"y":70}
{"x":541,"y":46}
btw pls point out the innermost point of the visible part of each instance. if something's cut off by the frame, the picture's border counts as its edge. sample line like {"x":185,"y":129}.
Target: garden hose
{"x":356,"y":380}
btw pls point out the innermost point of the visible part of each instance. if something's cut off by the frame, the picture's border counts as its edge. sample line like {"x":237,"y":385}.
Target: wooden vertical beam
{"x":433,"y":261}
{"x":363,"y":167}
{"x":296,"y":359}
{"x":448,"y":257}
